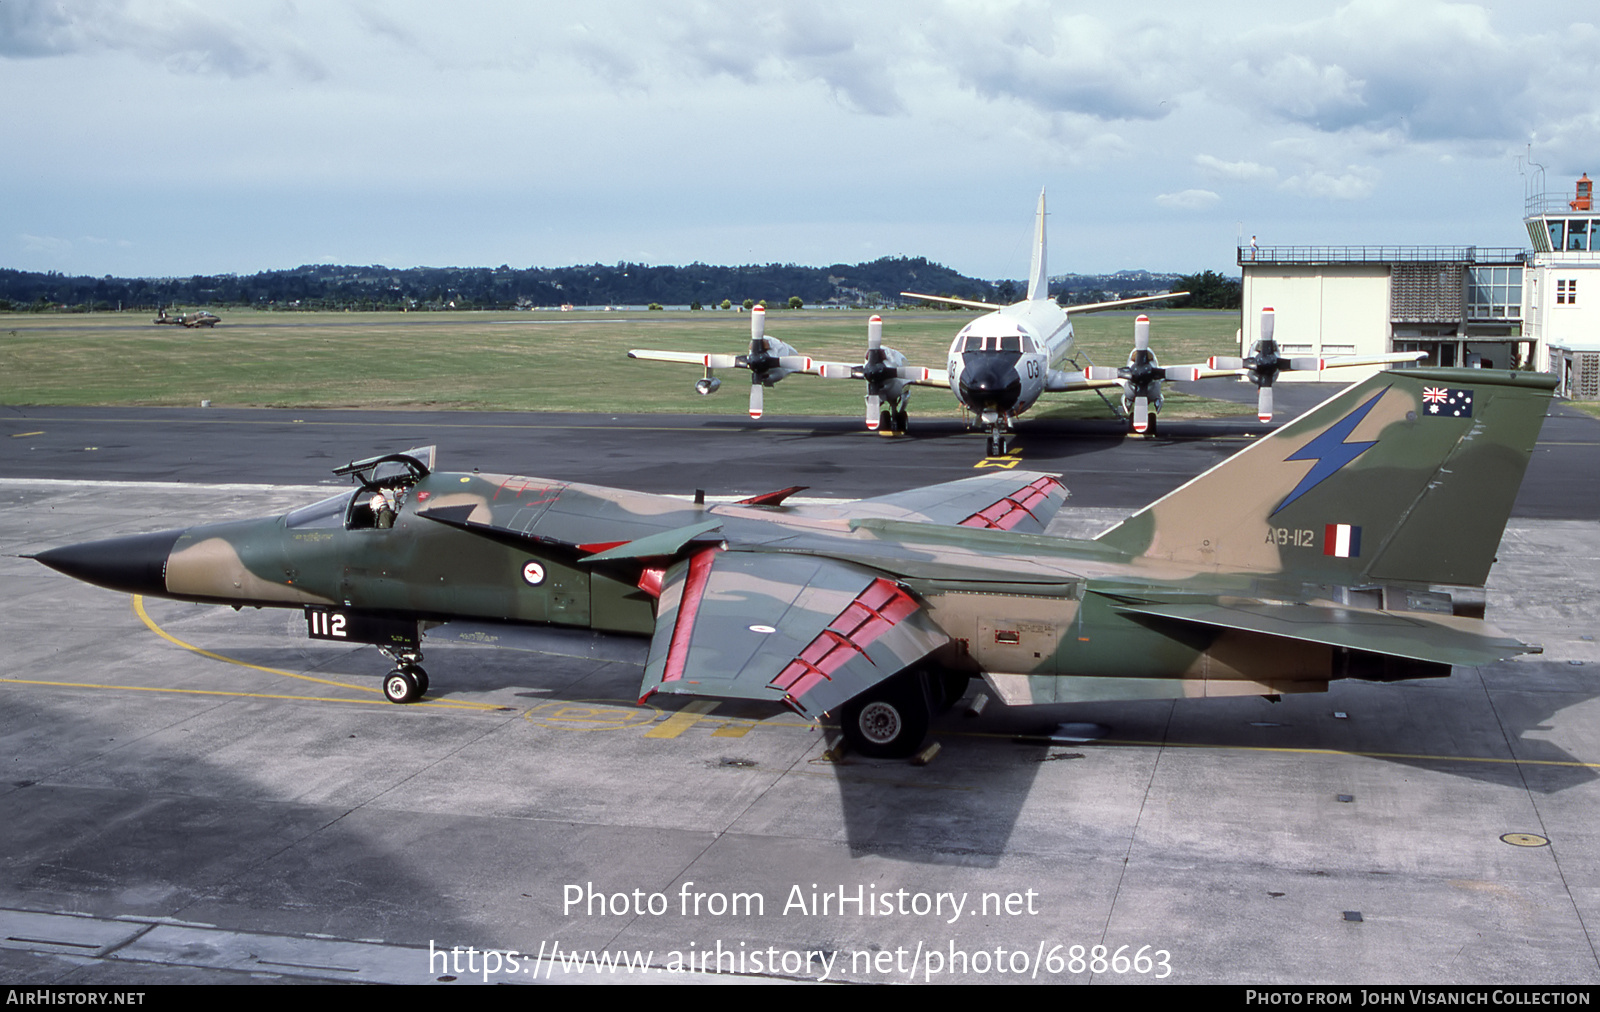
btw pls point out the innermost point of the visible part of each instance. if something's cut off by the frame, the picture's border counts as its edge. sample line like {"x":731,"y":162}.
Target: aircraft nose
{"x":991,"y":384}
{"x":133,"y":565}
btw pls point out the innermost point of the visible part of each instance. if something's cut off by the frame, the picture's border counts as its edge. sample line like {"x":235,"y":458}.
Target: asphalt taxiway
{"x":195,"y":794}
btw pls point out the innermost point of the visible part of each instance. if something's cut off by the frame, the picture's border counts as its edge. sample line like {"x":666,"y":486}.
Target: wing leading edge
{"x":1021,"y":501}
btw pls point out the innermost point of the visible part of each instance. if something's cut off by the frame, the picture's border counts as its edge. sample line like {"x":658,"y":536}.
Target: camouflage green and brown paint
{"x":1335,"y":547}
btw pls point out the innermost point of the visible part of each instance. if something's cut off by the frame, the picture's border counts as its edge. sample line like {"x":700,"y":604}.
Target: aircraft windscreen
{"x":327,"y":513}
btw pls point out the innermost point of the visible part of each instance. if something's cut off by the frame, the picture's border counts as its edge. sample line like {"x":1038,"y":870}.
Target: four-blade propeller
{"x":1143,"y":375}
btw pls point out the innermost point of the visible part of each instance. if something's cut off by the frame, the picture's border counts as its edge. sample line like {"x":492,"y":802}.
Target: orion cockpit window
{"x":993,"y":342}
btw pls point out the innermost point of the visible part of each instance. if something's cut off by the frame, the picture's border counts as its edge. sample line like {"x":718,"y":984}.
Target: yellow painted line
{"x":19,"y":435}
{"x":591,"y":715}
{"x":1007,"y":462}
{"x":732,"y":731}
{"x":144,"y":616}
{"x":682,"y":720}
{"x":202,"y":692}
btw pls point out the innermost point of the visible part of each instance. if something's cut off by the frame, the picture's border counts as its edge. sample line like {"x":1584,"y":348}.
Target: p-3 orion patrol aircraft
{"x":1002,"y":362}
{"x":1353,"y":542}
{"x":999,"y":364}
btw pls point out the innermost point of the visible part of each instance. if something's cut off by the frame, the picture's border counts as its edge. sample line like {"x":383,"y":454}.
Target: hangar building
{"x":1494,"y":307}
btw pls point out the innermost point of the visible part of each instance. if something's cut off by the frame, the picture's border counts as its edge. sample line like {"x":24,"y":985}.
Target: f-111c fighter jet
{"x":1353,"y":542}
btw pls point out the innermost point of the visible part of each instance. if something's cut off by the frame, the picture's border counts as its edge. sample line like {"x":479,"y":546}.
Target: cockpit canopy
{"x":391,"y":470}
{"x":383,"y":482}
{"x":992,"y":335}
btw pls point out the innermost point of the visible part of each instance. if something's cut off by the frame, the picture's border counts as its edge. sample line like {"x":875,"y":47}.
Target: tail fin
{"x":1408,"y":476}
{"x":1038,"y":280}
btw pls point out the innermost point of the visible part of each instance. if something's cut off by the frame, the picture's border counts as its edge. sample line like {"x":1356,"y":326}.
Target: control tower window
{"x":1556,"y":232}
{"x":1578,"y":235}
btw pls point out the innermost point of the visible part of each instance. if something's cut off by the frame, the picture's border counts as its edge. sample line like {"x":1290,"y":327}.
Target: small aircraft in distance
{"x":191,"y":320}
{"x":1353,"y":542}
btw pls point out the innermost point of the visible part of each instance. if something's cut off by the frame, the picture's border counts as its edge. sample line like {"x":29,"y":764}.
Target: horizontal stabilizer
{"x":1095,"y":307}
{"x":1420,"y":636}
{"x":969,"y":303}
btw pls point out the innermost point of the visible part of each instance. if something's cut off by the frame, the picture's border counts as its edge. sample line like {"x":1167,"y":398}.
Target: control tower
{"x":1562,"y":285}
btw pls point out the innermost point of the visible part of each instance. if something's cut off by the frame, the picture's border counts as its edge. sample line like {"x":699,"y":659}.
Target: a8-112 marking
{"x":1291,"y":537}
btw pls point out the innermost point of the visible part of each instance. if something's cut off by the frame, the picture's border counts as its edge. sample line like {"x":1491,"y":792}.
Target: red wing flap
{"x":683,"y":630}
{"x":873,"y":613}
{"x":1010,"y":510}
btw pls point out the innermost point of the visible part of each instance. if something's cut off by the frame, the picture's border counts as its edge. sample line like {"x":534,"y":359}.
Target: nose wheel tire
{"x":405,"y":685}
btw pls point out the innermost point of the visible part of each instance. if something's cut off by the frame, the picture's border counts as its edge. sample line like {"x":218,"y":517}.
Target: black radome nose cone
{"x":134,"y":565}
{"x":991,"y":385}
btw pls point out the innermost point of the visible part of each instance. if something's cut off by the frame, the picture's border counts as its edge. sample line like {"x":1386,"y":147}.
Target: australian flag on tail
{"x":1443,"y":402}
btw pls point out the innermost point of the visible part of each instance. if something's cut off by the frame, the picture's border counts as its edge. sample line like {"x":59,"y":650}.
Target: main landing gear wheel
{"x":902,"y":419}
{"x":889,"y":722}
{"x":886,"y":422}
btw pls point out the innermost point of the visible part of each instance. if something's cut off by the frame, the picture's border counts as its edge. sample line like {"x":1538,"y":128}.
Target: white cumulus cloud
{"x":1188,"y":200}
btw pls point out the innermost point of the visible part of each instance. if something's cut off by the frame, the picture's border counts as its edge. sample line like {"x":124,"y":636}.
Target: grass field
{"x":520,"y":361}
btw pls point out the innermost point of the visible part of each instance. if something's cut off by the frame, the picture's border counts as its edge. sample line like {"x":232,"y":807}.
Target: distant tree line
{"x":331,"y":286}
{"x":1210,"y":290}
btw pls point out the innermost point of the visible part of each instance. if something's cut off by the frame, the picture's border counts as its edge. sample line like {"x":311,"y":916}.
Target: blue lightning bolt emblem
{"x":1330,"y":451}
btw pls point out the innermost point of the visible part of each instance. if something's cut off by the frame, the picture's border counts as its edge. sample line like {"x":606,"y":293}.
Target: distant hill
{"x":332,"y":286}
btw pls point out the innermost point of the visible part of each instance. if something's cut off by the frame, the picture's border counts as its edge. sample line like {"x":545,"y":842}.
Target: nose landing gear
{"x":408,"y":682}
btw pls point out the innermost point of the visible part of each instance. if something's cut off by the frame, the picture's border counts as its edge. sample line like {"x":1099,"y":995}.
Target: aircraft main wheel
{"x":886,"y":422}
{"x":400,"y":686}
{"x":886,"y":725}
{"x":421,"y":676}
{"x":901,"y":420}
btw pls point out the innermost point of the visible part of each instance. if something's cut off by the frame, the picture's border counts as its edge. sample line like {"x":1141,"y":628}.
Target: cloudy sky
{"x":162,"y":137}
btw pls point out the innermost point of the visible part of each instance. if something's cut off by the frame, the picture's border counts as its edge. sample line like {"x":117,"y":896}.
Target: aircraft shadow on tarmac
{"x":964,"y":808}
